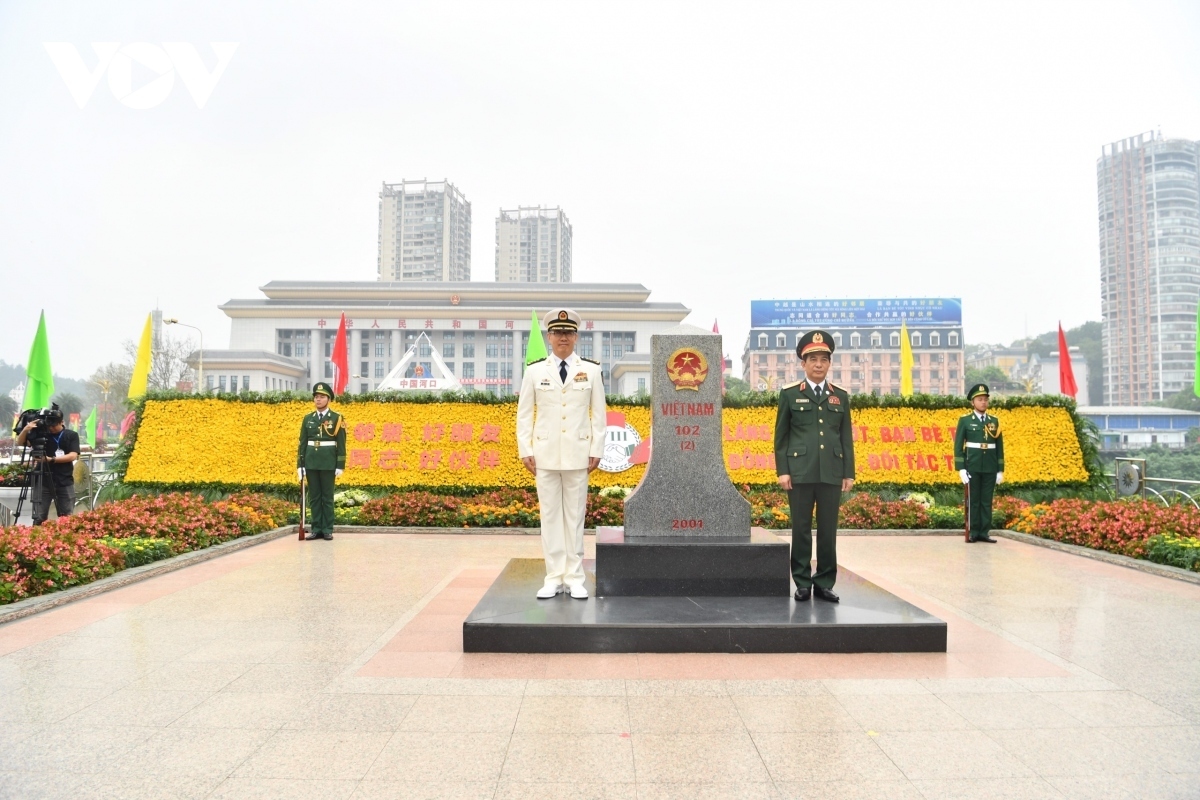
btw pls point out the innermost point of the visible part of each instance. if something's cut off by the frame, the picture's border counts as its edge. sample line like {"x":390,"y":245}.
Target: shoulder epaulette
{"x":833,"y":385}
{"x":790,"y":385}
{"x":531,"y":363}
{"x":590,"y":360}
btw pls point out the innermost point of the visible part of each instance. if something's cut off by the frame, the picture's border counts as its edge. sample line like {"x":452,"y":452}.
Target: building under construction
{"x":1149,"y":221}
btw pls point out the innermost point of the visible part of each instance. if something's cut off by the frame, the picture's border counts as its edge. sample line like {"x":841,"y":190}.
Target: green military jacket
{"x":322,"y":442}
{"x":814,"y":441}
{"x":978,"y":446}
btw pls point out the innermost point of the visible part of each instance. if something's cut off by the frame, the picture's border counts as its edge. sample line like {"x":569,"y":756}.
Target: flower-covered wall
{"x":238,"y":441}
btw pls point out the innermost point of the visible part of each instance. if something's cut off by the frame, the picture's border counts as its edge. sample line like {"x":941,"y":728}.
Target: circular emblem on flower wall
{"x":619,"y":443}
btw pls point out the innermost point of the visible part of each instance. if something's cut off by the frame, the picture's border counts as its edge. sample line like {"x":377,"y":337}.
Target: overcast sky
{"x":716,"y":152}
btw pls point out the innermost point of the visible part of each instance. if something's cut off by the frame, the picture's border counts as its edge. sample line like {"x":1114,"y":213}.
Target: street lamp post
{"x":200,"y":373}
{"x":105,"y":385}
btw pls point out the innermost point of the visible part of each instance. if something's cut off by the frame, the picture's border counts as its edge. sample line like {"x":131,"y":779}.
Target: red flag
{"x":340,"y":359}
{"x":716,"y":330}
{"x":1066,"y":375}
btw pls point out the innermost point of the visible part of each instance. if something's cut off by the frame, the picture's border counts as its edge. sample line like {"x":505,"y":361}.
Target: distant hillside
{"x":13,"y":374}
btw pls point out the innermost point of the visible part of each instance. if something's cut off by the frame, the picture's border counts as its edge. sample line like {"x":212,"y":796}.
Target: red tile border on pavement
{"x":426,"y":648}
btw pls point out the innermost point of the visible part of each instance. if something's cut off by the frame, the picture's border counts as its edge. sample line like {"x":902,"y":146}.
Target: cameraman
{"x":61,"y":448}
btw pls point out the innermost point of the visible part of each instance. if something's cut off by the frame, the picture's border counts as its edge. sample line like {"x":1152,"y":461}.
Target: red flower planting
{"x":1118,"y":526}
{"x":35,"y":561}
{"x":863,"y":510}
{"x":411,"y":508}
{"x":69,"y":551}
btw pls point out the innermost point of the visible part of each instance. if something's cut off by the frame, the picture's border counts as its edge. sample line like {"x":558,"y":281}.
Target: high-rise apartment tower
{"x":1149,"y":219}
{"x":424,"y":232}
{"x":533,"y":245}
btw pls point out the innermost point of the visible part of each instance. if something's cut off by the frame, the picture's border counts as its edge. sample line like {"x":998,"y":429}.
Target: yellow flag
{"x":141,"y":367}
{"x":906,"y":361}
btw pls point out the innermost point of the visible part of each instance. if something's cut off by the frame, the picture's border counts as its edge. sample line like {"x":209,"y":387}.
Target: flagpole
{"x":200,"y":379}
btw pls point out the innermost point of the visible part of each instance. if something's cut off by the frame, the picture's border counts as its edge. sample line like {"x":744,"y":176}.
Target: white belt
{"x":312,"y":443}
{"x":980,"y":445}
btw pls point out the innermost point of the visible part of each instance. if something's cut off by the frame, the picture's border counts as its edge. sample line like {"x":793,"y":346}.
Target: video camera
{"x":45,"y":417}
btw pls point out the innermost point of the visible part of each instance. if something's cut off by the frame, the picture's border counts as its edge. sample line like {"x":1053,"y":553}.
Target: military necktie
{"x":562,"y":372}
{"x":818,"y":391}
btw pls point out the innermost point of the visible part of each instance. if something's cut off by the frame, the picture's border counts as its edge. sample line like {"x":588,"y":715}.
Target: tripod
{"x":36,"y":474}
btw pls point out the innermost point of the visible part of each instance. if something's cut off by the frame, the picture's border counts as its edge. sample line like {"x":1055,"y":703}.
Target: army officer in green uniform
{"x":979,"y":459}
{"x":814,"y":459}
{"x":321,"y":458}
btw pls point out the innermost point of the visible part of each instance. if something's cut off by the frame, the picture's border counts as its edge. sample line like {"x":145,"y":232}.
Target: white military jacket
{"x":561,"y":426}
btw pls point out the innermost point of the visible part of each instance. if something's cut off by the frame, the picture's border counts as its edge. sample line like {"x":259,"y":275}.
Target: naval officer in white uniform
{"x":560,"y":439}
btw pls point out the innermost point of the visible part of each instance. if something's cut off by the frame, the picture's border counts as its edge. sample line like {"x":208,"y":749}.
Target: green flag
{"x":39,"y":386}
{"x":91,"y":428}
{"x":537,"y":344}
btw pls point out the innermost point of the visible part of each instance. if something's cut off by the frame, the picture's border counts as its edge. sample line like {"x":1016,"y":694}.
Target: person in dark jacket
{"x":814,"y":459}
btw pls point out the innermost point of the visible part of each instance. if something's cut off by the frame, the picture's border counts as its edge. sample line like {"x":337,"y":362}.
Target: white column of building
{"x":397,"y":348}
{"x":356,"y":339}
{"x":315,"y":355}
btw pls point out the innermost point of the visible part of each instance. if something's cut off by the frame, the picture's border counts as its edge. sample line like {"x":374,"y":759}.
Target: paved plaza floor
{"x":334,"y":670}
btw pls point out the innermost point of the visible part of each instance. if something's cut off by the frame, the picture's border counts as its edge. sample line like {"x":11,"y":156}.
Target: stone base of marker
{"x":689,"y":566}
{"x":509,"y":619}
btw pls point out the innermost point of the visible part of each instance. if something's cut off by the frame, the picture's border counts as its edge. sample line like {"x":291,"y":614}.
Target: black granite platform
{"x":510,"y":619}
{"x":758,"y":565}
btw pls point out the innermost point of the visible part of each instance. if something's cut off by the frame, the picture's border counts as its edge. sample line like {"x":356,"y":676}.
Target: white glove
{"x":999,"y":477}
{"x":299,"y":473}
{"x":966,"y":478}
{"x":337,"y":473}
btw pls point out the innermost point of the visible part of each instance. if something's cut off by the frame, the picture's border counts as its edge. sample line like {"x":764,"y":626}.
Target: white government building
{"x":480,"y":331}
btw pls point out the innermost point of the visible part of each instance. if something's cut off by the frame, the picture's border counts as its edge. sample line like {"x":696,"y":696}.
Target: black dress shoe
{"x":308,"y":537}
{"x":825,"y":594}
{"x":328,"y":536}
{"x":802,"y":595}
{"x":987,"y":539}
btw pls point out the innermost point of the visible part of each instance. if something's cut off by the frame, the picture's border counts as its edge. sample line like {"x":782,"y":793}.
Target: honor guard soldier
{"x":979,"y":459}
{"x":814,"y":459}
{"x":560,"y":438}
{"x":321,"y":458}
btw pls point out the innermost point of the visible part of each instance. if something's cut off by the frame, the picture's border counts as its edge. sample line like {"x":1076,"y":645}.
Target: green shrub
{"x":341,"y":516}
{"x":948,"y":517}
{"x":139,"y":550}
{"x":1175,"y":551}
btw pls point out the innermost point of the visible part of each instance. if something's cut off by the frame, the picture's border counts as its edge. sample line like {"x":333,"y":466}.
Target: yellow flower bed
{"x":433,"y":444}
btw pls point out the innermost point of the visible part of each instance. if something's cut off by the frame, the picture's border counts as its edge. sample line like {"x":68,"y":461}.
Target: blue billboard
{"x":925,"y":311}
